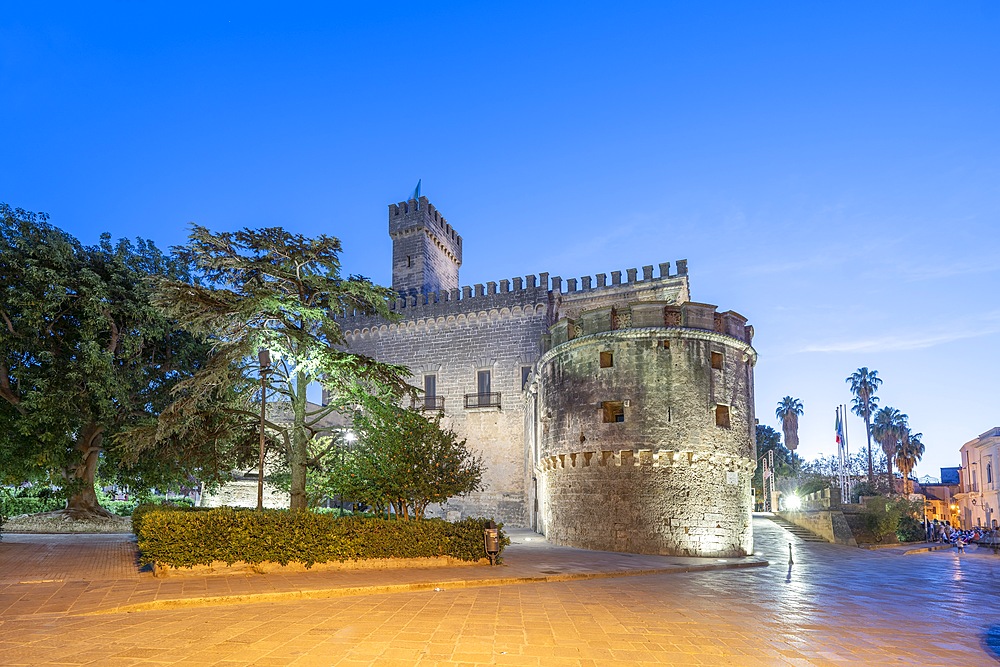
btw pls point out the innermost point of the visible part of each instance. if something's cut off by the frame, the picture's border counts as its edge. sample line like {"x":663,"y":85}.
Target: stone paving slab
{"x":835,"y":605}
{"x":95,"y":574}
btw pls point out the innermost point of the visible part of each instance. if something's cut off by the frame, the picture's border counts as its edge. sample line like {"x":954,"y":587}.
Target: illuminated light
{"x":793,"y":502}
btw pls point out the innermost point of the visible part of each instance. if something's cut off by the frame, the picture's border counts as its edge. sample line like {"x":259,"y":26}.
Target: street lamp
{"x":264,"y":357}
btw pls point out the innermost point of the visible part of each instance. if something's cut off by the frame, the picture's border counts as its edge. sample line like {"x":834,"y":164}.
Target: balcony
{"x":482,"y":400}
{"x":431,"y":403}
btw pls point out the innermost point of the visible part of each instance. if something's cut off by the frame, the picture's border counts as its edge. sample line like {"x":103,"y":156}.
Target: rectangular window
{"x":483,"y":382}
{"x":722,"y":416}
{"x":430,"y":386}
{"x":717,"y":360}
{"x":525,"y":376}
{"x":614,"y":411}
{"x":666,"y":345}
{"x":607,"y":360}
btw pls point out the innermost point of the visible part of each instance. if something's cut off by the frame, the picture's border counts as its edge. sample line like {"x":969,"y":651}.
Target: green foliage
{"x":84,"y":355}
{"x":864,"y":384}
{"x":404,"y":460}
{"x":879,"y":517}
{"x":189,"y":536}
{"x":788,"y":412}
{"x":268,"y":289}
{"x":884,"y":516}
{"x":862,"y":489}
{"x":15,"y":505}
{"x":910,"y":529}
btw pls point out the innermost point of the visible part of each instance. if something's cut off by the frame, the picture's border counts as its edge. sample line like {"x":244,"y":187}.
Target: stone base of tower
{"x":666,"y":503}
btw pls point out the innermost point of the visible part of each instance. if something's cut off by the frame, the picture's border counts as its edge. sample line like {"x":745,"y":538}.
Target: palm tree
{"x":864,"y":383}
{"x":788,"y":412}
{"x":910,"y":451}
{"x":889,"y":427}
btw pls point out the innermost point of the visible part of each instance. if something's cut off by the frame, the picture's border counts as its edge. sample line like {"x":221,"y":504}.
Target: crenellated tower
{"x":426,"y":250}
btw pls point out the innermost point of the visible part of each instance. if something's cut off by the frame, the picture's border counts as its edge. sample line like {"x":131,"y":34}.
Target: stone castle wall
{"x":503,"y":340}
{"x":646,"y":434}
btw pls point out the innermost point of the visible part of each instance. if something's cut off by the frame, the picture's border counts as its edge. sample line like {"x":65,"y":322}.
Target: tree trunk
{"x":888,"y":472}
{"x":871,"y":462}
{"x":300,"y":446}
{"x":83,"y":504}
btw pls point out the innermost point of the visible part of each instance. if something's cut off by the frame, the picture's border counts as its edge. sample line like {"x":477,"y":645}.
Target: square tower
{"x":426,"y":251}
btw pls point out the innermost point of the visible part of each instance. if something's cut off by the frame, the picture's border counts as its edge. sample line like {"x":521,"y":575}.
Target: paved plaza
{"x":79,"y":600}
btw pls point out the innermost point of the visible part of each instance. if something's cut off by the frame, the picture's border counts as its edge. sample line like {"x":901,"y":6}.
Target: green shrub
{"x":16,"y":505}
{"x":183,"y":537}
{"x":910,"y":529}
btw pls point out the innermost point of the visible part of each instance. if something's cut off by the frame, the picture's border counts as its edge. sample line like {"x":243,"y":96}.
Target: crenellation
{"x":504,"y":286}
{"x":602,"y":280}
{"x":616,"y":277}
{"x":571,"y":284}
{"x":518,"y":284}
{"x":585,"y":281}
{"x":631,"y":273}
{"x":664,"y":269}
{"x":647,"y":273}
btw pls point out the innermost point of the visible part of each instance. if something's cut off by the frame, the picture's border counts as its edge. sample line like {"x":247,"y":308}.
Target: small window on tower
{"x":525,"y":376}
{"x":614,"y":411}
{"x":717,"y":360}
{"x":409,"y":261}
{"x":722,"y":416}
{"x":666,"y":345}
{"x":607,"y":359}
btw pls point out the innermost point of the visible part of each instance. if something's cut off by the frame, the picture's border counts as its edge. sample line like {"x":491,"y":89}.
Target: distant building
{"x":979,"y":495}
{"x":611,"y":414}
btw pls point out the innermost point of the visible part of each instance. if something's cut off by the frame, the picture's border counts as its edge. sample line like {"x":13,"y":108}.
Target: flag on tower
{"x":840,"y":431}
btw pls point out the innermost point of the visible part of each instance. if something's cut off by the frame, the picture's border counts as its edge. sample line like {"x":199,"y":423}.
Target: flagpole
{"x":847,"y":451}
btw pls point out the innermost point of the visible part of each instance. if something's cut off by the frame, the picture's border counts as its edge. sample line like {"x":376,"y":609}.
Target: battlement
{"x":518,"y":291}
{"x":645,"y":314}
{"x":600,"y":281}
{"x":413,"y":213}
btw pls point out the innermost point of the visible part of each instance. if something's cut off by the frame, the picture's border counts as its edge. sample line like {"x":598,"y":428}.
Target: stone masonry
{"x":611,"y":414}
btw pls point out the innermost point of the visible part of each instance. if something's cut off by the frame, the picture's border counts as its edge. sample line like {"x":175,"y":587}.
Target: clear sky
{"x":830,"y":170}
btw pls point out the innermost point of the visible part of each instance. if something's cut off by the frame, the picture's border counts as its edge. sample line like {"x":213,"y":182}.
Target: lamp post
{"x":264,"y":357}
{"x":349,"y":438}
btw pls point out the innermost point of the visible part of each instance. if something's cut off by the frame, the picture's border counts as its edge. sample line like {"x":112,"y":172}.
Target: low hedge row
{"x":15,"y":506}
{"x":183,"y":537}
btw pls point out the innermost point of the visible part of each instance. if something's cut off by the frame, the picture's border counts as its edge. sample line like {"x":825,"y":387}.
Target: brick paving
{"x":834,"y":605}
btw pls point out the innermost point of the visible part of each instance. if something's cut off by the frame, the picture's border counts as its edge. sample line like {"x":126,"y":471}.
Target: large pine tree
{"x":271,"y":289}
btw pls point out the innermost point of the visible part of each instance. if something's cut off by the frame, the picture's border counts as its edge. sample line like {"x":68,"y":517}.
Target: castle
{"x":614,"y":415}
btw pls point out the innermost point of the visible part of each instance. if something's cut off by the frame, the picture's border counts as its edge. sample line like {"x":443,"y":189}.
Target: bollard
{"x":491,"y":540}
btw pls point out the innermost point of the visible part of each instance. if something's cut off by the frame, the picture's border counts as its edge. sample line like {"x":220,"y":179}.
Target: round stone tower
{"x":645,"y":431}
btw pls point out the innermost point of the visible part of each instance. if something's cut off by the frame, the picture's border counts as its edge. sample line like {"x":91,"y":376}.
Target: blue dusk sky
{"x":829,"y":170}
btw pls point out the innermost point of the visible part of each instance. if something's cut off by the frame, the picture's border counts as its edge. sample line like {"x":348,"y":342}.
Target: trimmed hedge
{"x":183,"y":537}
{"x":15,"y":506}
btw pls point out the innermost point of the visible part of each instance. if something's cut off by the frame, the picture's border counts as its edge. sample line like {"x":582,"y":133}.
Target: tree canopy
{"x":864,"y":383}
{"x":84,"y":355}
{"x":271,"y":289}
{"x":405,"y":460}
{"x":788,"y":411}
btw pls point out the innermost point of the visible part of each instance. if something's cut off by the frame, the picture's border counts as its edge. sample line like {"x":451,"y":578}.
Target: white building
{"x":979,"y":495}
